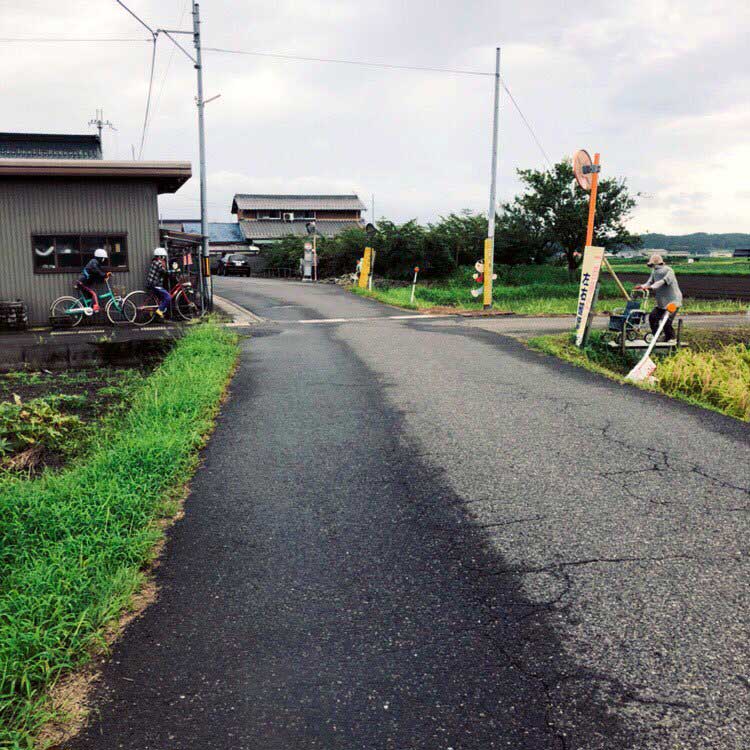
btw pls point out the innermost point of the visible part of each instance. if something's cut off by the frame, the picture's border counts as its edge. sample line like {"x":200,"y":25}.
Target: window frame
{"x":122,"y":237}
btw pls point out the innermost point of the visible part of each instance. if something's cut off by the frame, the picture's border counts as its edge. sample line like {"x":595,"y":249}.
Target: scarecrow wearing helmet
{"x":479,"y":277}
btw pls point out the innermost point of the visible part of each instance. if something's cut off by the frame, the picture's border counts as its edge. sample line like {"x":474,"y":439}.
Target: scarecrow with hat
{"x":666,"y":290}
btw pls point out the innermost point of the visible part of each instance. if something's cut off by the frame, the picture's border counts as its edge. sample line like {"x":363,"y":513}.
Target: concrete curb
{"x":240,"y":316}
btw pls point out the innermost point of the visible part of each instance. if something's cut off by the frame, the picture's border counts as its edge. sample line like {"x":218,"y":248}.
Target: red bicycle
{"x":186,"y":303}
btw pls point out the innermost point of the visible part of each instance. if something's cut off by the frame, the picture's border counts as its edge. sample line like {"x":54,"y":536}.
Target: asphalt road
{"x":415,"y":533}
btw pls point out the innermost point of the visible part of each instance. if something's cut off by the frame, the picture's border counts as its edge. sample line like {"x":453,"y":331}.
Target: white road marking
{"x":368,"y":320}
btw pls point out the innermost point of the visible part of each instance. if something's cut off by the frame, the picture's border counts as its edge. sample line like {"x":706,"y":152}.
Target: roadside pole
{"x":489,"y":243}
{"x":414,"y":285}
{"x":207,"y":290}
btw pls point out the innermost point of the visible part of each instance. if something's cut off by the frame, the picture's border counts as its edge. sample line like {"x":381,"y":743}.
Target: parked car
{"x":234,"y":264}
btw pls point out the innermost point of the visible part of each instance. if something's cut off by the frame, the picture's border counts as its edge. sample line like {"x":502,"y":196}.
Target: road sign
{"x":590,"y":268}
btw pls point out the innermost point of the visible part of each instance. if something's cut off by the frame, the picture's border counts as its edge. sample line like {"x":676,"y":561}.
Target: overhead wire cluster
{"x":277,"y":56}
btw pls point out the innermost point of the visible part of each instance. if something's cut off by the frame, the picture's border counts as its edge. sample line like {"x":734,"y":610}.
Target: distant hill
{"x":696,"y":242}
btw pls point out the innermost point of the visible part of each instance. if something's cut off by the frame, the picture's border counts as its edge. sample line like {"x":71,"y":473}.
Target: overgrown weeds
{"x":74,"y":544}
{"x":713,"y":372}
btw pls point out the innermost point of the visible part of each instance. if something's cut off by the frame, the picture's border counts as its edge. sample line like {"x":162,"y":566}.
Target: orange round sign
{"x":581,"y":160}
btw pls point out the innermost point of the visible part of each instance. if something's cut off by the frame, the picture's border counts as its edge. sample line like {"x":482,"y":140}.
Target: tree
{"x":461,"y":236}
{"x":552,"y":214}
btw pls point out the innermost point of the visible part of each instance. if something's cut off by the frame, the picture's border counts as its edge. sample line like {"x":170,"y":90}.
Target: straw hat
{"x":655,"y":260}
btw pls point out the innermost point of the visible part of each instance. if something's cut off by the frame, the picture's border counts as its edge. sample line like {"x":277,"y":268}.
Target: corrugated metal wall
{"x":47,"y":206}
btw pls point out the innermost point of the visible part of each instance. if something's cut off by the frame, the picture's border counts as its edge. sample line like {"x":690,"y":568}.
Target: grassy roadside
{"x":74,"y":544}
{"x":713,"y":373}
{"x":536,"y":299}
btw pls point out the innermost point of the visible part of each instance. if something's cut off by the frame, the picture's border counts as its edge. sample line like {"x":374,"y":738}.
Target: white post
{"x":414,"y":285}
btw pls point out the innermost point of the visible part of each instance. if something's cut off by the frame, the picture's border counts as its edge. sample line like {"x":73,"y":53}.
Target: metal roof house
{"x":49,"y":146}
{"x":55,"y":212}
{"x":268,"y":217}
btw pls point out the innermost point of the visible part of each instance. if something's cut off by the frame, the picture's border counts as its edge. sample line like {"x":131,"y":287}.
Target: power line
{"x":361,"y":63}
{"x":169,"y":62}
{"x":55,"y":40}
{"x":137,"y":18}
{"x":148,"y":98}
{"x":527,"y":123}
{"x":393,"y":66}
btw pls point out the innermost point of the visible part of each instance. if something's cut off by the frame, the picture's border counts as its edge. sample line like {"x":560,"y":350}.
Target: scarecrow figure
{"x":479,"y":277}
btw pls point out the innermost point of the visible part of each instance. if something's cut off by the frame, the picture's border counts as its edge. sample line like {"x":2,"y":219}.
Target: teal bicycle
{"x":69,"y":311}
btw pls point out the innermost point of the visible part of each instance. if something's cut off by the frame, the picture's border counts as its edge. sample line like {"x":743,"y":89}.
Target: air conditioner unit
{"x":288,"y":217}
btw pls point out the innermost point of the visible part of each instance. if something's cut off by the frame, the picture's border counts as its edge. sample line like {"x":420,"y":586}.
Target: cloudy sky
{"x":661,"y":88}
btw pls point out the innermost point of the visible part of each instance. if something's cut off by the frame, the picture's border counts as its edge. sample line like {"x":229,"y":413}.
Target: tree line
{"x":546,"y":220}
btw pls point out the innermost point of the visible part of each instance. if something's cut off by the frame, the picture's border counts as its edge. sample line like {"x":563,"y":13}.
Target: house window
{"x":267,"y":214}
{"x":69,"y":253}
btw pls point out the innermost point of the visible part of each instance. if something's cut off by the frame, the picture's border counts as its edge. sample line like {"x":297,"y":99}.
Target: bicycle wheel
{"x":120,"y":311}
{"x":68,"y":309}
{"x":186,"y":304}
{"x":142,"y":306}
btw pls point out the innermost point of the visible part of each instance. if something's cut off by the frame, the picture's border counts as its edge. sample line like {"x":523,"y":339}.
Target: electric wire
{"x":280,"y":56}
{"x":393,"y":66}
{"x":360,"y":63}
{"x":148,"y":99}
{"x":527,"y":123}
{"x":169,"y":62}
{"x":137,"y":18}
{"x":55,"y":40}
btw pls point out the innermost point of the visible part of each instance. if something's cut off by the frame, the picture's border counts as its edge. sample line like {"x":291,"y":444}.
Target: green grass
{"x":712,"y":267}
{"x":524,"y":290}
{"x":714,"y":372}
{"x":74,"y":544}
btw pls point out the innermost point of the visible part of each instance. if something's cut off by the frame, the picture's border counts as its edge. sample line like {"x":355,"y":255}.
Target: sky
{"x":661,"y":89}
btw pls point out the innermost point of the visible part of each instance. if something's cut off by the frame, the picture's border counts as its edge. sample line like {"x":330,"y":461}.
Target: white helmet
{"x":160,"y":252}
{"x":100,"y":253}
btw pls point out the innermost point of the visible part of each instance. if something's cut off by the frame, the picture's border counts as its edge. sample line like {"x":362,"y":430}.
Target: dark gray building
{"x":55,"y":212}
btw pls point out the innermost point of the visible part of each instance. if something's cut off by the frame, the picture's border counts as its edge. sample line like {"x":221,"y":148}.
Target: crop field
{"x":709,"y":266}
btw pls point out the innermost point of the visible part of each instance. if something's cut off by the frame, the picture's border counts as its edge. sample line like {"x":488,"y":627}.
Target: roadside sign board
{"x":590,"y":269}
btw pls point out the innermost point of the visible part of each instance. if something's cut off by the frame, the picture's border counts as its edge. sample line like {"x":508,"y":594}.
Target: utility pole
{"x":373,"y":209}
{"x":207,"y":283}
{"x":100,"y":124}
{"x":489,"y":244}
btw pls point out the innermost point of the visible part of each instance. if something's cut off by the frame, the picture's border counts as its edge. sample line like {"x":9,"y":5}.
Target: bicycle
{"x":185,"y":304}
{"x":73,"y":309}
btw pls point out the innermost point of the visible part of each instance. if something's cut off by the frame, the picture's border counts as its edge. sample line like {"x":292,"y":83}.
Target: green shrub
{"x":37,"y":422}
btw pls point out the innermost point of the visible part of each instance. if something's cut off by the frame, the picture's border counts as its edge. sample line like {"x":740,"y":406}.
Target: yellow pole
{"x":489,"y":251}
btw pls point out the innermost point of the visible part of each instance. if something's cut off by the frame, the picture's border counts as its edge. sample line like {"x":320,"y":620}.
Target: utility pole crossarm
{"x":169,"y":36}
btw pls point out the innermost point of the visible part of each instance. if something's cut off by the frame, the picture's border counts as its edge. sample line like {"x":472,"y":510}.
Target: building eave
{"x":169,"y":175}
